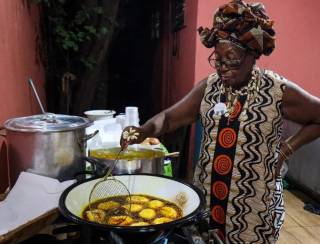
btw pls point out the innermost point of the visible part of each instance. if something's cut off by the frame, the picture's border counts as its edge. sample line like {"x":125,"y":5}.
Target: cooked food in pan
{"x":108,"y":205}
{"x":138,"y":199}
{"x":161,"y":220}
{"x":129,"y":154}
{"x":137,"y":210}
{"x":147,"y":214}
{"x":133,"y":208}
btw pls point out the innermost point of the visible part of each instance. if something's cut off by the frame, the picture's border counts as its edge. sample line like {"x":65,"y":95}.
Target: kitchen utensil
{"x":132,"y":116}
{"x":150,"y":160}
{"x":109,"y":186}
{"x":36,"y":95}
{"x":48,"y":144}
{"x":75,"y":198}
{"x":99,"y":114}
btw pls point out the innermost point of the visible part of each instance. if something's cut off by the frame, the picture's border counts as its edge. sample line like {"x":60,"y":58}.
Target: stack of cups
{"x":132,"y":116}
{"x":121,"y":119}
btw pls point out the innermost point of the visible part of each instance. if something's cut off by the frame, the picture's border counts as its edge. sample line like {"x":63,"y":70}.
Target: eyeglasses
{"x":228,"y":63}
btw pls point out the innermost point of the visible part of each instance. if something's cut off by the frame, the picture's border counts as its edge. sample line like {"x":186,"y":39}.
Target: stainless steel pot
{"x":47,"y":144}
{"x":150,"y":161}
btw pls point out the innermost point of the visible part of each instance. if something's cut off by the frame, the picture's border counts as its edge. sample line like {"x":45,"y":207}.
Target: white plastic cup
{"x":132,"y":116}
{"x":121,"y":119}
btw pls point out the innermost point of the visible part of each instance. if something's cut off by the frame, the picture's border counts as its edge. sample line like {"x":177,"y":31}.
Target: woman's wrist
{"x":147,"y":130}
{"x":286,"y":150}
{"x":289,"y":147}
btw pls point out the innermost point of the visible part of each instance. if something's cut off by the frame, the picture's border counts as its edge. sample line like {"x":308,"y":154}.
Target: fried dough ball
{"x":161,"y":220}
{"x":138,"y":199}
{"x":140,"y":224}
{"x":108,"y":205}
{"x":147,"y":213}
{"x":96,"y":215}
{"x":120,"y":220}
{"x":155,"y":204}
{"x":169,"y":212}
{"x":133,"y":208}
{"x":151,"y":141}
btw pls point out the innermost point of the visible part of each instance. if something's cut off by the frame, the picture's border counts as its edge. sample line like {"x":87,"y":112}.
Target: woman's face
{"x":233,"y":64}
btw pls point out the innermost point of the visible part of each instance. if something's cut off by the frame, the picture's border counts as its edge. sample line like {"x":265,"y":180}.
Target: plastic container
{"x":121,"y":119}
{"x":132,"y":116}
{"x":108,"y":136}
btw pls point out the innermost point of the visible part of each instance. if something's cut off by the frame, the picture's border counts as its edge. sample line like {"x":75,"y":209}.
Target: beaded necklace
{"x":232,"y":96}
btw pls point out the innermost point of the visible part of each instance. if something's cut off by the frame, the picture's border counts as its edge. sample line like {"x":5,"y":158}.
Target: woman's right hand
{"x":131,"y":135}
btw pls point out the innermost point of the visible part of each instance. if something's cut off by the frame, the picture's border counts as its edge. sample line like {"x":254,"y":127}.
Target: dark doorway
{"x":133,"y":55}
{"x":139,"y":68}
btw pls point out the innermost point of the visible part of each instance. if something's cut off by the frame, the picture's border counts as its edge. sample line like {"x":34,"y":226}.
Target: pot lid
{"x":47,"y":122}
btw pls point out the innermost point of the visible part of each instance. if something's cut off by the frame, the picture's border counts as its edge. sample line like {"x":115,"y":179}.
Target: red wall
{"x":297,"y":47}
{"x":179,"y":70}
{"x":18,"y":62}
{"x":182,"y":65}
{"x":295,"y":57}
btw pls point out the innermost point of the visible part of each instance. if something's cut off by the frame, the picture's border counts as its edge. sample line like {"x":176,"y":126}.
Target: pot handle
{"x":99,"y":168}
{"x":172,"y":155}
{"x":214,"y":237}
{"x":4,"y":160}
{"x":3,"y":131}
{"x":88,"y":137}
{"x":82,"y":142}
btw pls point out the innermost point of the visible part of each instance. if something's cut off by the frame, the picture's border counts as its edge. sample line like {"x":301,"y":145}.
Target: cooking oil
{"x":129,"y":154}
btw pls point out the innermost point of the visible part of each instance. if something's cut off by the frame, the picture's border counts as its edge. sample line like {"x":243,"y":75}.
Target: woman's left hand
{"x":279,"y":166}
{"x":284,"y":153}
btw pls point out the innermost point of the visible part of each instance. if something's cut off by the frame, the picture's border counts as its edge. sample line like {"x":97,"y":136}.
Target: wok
{"x":75,"y":198}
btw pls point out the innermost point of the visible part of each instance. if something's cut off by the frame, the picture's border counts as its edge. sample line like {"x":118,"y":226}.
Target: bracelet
{"x":291,"y":151}
{"x":285,"y":157}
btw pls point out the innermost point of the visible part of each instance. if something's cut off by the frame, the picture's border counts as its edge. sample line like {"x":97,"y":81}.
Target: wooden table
{"x":30,"y":228}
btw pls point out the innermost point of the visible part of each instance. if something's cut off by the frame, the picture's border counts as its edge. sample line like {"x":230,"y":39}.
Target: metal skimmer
{"x":109,"y":186}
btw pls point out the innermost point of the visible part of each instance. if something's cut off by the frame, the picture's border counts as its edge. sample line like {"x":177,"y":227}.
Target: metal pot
{"x":137,"y":160}
{"x":189,"y":198}
{"x":47,"y":144}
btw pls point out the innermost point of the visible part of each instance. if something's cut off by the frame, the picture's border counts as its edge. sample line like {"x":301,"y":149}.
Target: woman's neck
{"x":245,"y":81}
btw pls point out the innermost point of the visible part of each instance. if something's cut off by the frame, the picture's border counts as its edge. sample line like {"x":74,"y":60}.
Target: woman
{"x":242,"y":108}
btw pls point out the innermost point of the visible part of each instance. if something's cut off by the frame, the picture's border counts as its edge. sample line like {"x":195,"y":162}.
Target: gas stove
{"x":69,"y":233}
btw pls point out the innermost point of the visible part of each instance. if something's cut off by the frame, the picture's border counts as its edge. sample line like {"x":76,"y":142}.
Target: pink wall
{"x":181,"y":68}
{"x":18,"y":61}
{"x":296,"y":55}
{"x":297,"y":48}
{"x":182,"y":65}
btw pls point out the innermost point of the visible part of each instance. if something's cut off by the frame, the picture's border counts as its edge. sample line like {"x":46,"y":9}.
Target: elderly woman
{"x":241,"y":108}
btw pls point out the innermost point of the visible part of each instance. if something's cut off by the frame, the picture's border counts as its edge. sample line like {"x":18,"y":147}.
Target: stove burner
{"x":69,"y":233}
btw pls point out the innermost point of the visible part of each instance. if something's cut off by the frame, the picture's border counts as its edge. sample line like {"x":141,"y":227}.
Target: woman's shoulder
{"x":274,"y":76}
{"x":279,"y":82}
{"x":212,"y":79}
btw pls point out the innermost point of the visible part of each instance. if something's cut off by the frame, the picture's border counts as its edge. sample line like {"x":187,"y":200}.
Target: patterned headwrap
{"x":246,"y":25}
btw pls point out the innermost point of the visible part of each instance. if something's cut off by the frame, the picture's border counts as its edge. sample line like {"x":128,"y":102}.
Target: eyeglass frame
{"x":225,"y":62}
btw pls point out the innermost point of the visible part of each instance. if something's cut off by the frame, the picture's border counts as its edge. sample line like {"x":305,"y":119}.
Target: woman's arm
{"x":180,"y":114}
{"x":303,"y":108}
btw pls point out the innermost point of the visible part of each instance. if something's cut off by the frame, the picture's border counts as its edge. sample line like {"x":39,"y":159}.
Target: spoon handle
{"x":36,"y":94}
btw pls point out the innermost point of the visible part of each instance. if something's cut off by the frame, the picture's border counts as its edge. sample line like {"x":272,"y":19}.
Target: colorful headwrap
{"x":246,"y":25}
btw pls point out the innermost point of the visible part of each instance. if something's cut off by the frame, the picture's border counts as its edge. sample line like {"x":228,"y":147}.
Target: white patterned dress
{"x":236,"y":168}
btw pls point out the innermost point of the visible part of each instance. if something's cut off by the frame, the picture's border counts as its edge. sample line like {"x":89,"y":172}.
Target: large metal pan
{"x":75,"y":198}
{"x":136,"y":161}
